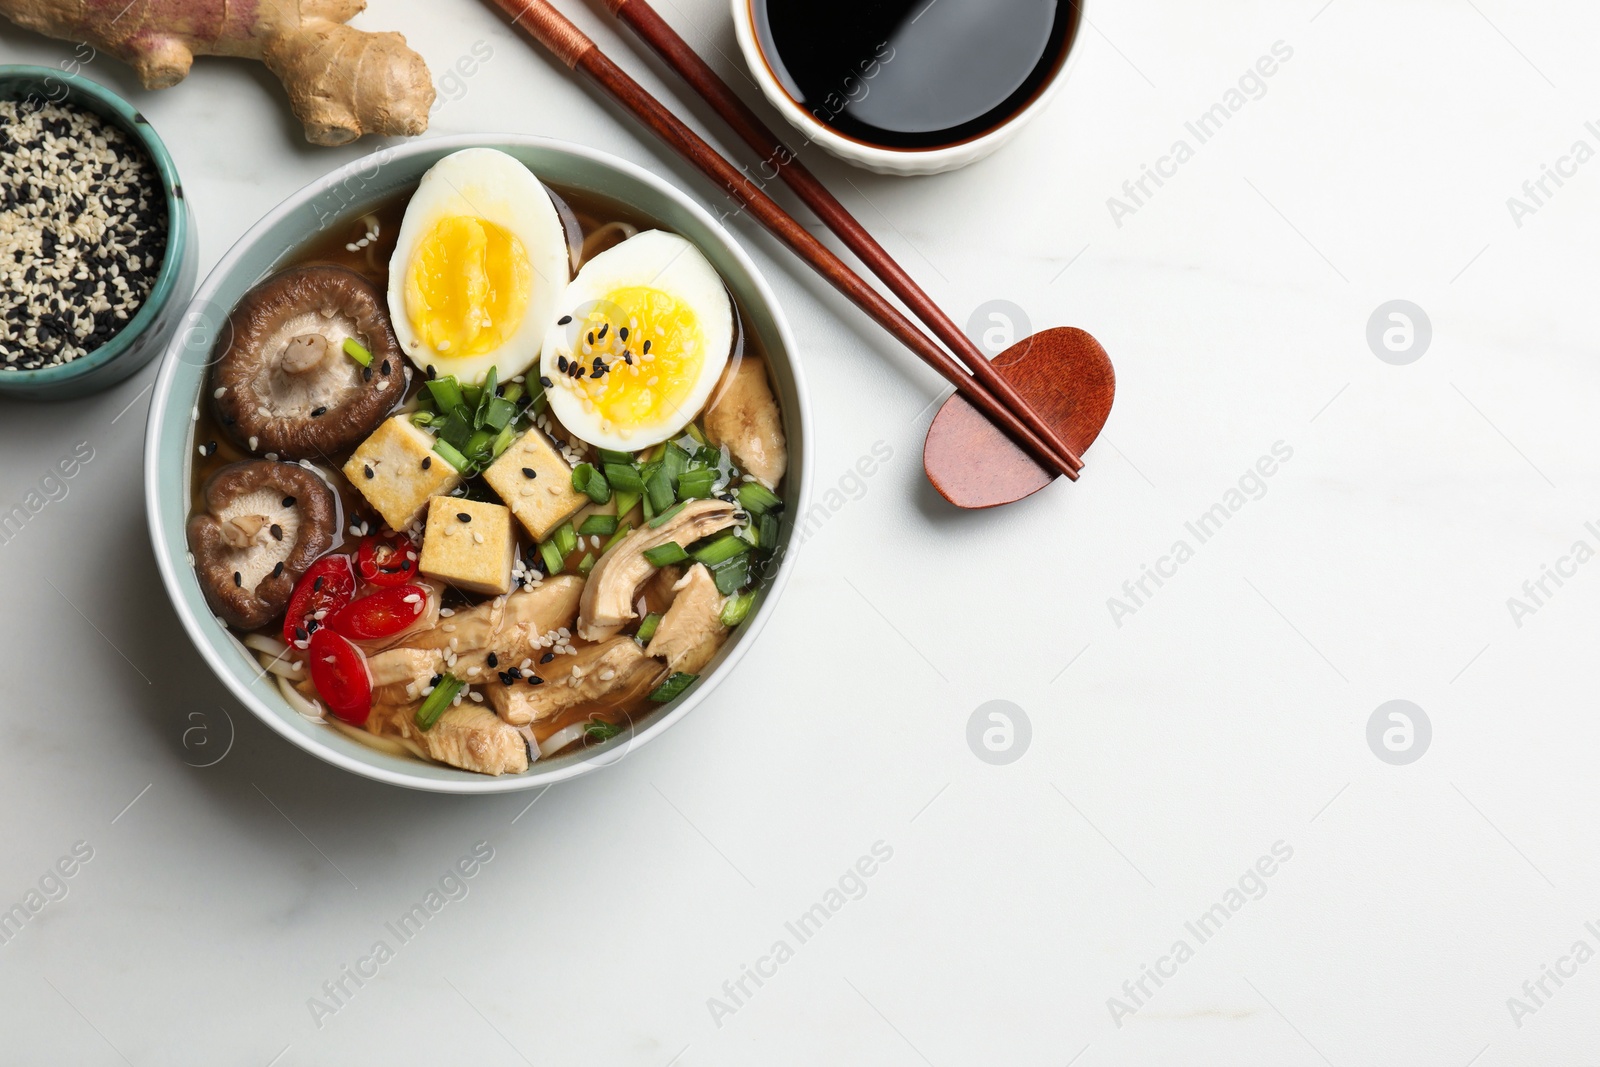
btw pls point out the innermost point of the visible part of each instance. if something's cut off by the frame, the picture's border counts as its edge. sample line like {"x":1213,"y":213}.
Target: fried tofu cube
{"x":536,"y":484}
{"x":468,"y":544}
{"x":397,"y":470}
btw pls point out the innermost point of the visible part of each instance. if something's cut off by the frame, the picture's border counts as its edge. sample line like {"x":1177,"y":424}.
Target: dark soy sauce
{"x":914,"y":73}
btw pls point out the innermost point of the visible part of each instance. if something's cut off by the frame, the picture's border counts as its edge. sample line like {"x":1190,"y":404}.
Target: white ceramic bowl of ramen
{"x":349,"y":192}
{"x":756,"y":42}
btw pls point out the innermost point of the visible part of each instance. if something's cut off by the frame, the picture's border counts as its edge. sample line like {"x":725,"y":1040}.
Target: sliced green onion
{"x":608,"y":456}
{"x":697,"y":433}
{"x":696,"y":484}
{"x":622,"y":531}
{"x":665,"y":515}
{"x":585,"y":479}
{"x":723,"y":548}
{"x":647,"y":629}
{"x":499,"y":414}
{"x":486,"y":396}
{"x":470,"y":395}
{"x":565,"y":538}
{"x":757,"y":498}
{"x":605,"y":525}
{"x":672,"y":687}
{"x":554,"y":558}
{"x":674,"y":462}
{"x":353,"y":349}
{"x":644,"y":505}
{"x":512,"y":392}
{"x":623,"y":476}
{"x":447,"y":452}
{"x":626,"y":501}
{"x":443,"y":695}
{"x":659,"y":488}
{"x":502,"y":440}
{"x":737,"y":608}
{"x":767,"y":524}
{"x":731,"y":575}
{"x":707,"y":456}
{"x":457,"y":429}
{"x":422,"y":418}
{"x":662,"y":555}
{"x":600,"y":730}
{"x":586,"y":564}
{"x":446,"y":393}
{"x":479,"y":446}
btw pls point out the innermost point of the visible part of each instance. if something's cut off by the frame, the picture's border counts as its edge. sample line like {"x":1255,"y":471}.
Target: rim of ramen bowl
{"x":167,"y":516}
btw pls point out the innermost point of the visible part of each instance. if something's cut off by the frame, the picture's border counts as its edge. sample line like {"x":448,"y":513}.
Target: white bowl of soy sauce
{"x":908,"y":86}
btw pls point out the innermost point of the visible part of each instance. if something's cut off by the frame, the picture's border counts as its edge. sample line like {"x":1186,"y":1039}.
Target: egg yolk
{"x":467,"y":286}
{"x":651,"y":347}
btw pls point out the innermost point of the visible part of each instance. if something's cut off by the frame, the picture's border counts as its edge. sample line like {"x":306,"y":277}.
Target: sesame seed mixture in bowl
{"x":83,"y":232}
{"x":96,"y":255}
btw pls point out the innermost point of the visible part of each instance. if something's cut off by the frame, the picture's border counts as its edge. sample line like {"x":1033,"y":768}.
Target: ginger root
{"x":342,"y":82}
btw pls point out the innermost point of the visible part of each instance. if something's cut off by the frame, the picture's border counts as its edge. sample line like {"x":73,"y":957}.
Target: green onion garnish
{"x":422,"y":418}
{"x":622,"y":531}
{"x":450,"y":455}
{"x":608,"y":456}
{"x":758,"y":499}
{"x":586,"y":564}
{"x":697,"y":433}
{"x":626,"y":501}
{"x":605,"y":525}
{"x":624,"y":477}
{"x":554,"y":558}
{"x":499,"y":414}
{"x":672,"y":687}
{"x":647,"y":629}
{"x":662,"y":555}
{"x":564,"y":537}
{"x":512,"y":393}
{"x":732,"y":574}
{"x":585,"y":479}
{"x":599,"y":730}
{"x":737,"y":608}
{"x":666,"y":515}
{"x":486,"y":397}
{"x":767,"y":524}
{"x":443,"y":695}
{"x":696,"y":484}
{"x":722,"y":549}
{"x":446,"y":393}
{"x":659,"y":488}
{"x":353,"y":349}
{"x":502,"y":441}
{"x":674,"y":462}
{"x":457,"y":429}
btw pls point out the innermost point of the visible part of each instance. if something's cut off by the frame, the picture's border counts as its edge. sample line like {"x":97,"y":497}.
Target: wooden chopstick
{"x":643,"y":19}
{"x":550,"y":28}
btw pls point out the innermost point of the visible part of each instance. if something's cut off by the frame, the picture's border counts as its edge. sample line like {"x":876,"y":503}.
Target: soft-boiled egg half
{"x":480,"y":263}
{"x":645,"y":332}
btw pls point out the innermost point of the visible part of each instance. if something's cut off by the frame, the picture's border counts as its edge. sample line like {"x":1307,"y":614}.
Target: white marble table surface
{"x":1179,"y":738}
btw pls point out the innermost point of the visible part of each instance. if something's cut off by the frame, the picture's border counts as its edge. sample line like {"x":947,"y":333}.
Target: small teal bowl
{"x":145,"y":336}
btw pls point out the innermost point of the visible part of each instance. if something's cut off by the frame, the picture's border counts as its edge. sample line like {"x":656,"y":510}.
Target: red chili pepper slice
{"x":327,"y":585}
{"x":339,"y":671}
{"x":386,"y":561}
{"x":381,"y":614}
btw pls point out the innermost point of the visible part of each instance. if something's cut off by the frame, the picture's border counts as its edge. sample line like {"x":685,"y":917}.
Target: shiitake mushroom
{"x":281,"y":382}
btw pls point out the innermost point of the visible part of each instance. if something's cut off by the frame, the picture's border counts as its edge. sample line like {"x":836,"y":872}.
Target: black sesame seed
{"x":623,"y":334}
{"x":432,"y":374}
{"x":546,"y":382}
{"x":505,"y":678}
{"x":366,"y":374}
{"x":427,"y":461}
{"x":534,"y":679}
{"x":277,"y":572}
{"x":494,"y":660}
{"x":288,"y":501}
{"x":367,"y":470}
{"x":276,"y":531}
{"x":317,"y":413}
{"x":547,"y":657}
{"x":301,"y":633}
{"x":435,"y":680}
{"x":238,"y":579}
{"x":563,"y":320}
{"x":603,"y":328}
{"x":463,"y":516}
{"x":529,"y":472}
{"x":384,"y":369}
{"x":591,"y":337}
{"x":561,"y":363}
{"x":646,"y":348}
{"x":316,"y":586}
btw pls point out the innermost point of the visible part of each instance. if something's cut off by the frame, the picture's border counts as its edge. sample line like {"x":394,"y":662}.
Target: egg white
{"x":490,"y":185}
{"x":655,"y":260}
